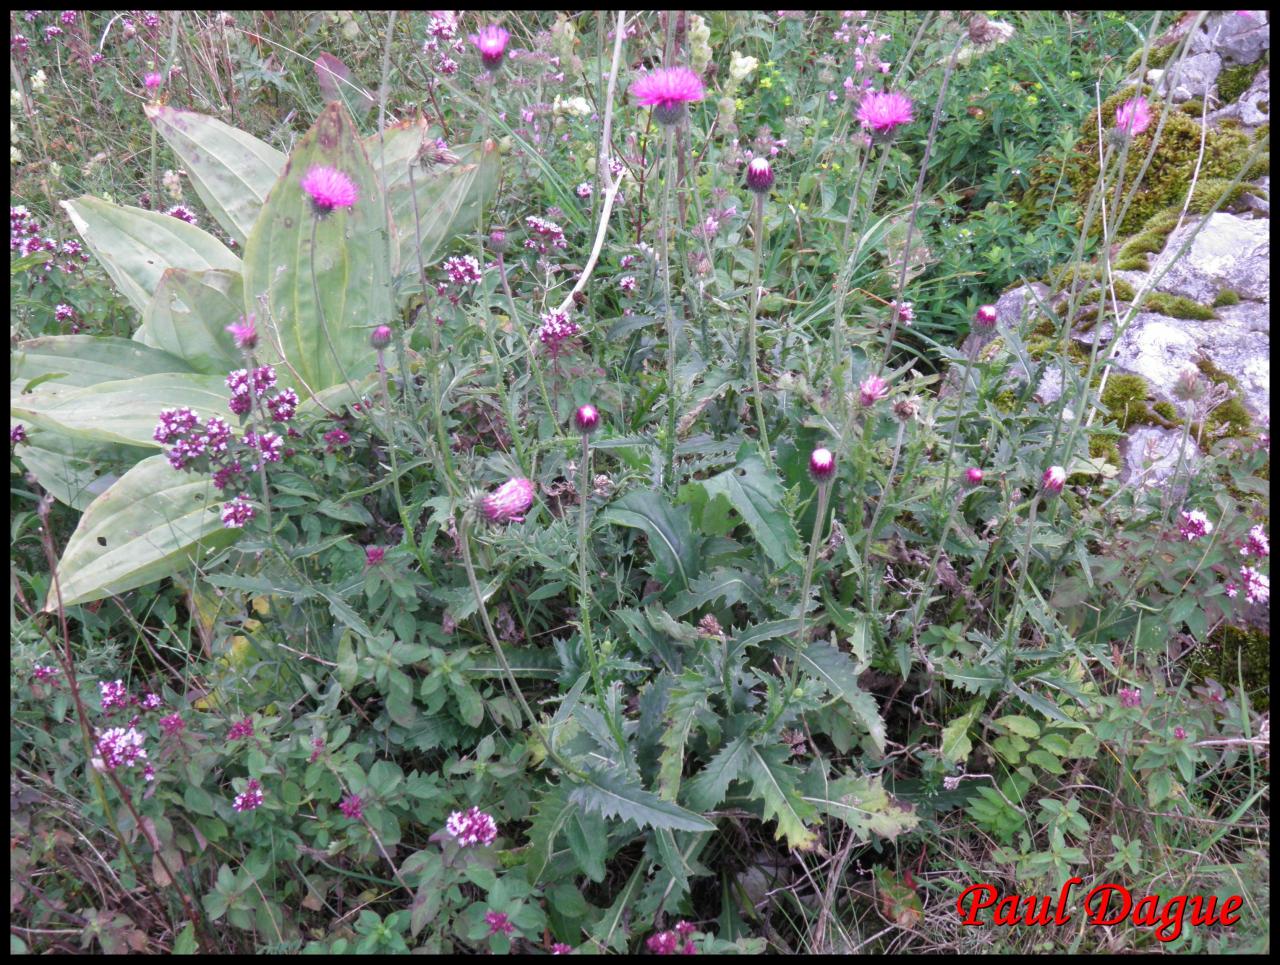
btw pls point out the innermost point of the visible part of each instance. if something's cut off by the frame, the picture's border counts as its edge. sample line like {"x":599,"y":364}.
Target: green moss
{"x":1232,"y":653}
{"x":1158,"y":57}
{"x":1207,"y":192}
{"x":1125,"y":398}
{"x":1166,"y":411}
{"x":1226,"y":297}
{"x":1102,"y":446}
{"x":1229,"y":419}
{"x":1177,"y":306}
{"x":1234,"y":81}
{"x":1263,"y":132}
{"x":1194,"y":108}
{"x":1132,"y":263}
{"x":1150,"y":240}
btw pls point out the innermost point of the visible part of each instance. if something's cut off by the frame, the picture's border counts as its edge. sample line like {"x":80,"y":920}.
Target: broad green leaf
{"x":1022,"y":726}
{"x":839,"y":675}
{"x":862,"y":803}
{"x":756,"y":494}
{"x":76,"y":471}
{"x":709,"y":786}
{"x":676,"y":552}
{"x":293,"y":254}
{"x":84,"y":360}
{"x":683,"y":707}
{"x":776,"y":783}
{"x":731,"y":586}
{"x":450,"y":197}
{"x":189,"y":315}
{"x":125,"y":410}
{"x":136,"y":246}
{"x":612,"y":794}
{"x":333,"y":77}
{"x":955,"y":736}
{"x":151,"y":522}
{"x":231,"y":171}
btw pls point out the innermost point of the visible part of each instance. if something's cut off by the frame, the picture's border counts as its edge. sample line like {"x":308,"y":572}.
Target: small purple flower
{"x":498,"y":240}
{"x":587,"y":418}
{"x":19,"y":44}
{"x":41,"y":672}
{"x":52,"y":31}
{"x":1130,"y":697}
{"x":663,"y":943}
{"x":250,"y":799}
{"x":462,"y":269}
{"x":667,"y":90}
{"x":544,"y":235}
{"x":335,"y":438}
{"x":1257,"y":586}
{"x":114,"y":694}
{"x":1133,"y":116}
{"x":68,"y":17}
{"x":584,"y":190}
{"x":237,"y":512}
{"x":491,"y":41}
{"x":1179,"y":733}
{"x":872,"y":390}
{"x":329,"y":188}
{"x":883,"y":112}
{"x":240,"y":729}
{"x":352,"y":807}
{"x":245,"y":331}
{"x":152,"y":81}
{"x":509,"y":502}
{"x":472,"y":827}
{"x":148,"y":773}
{"x":498,"y":922}
{"x":151,"y":701}
{"x":759,"y":175}
{"x":17,"y":434}
{"x":627,"y":283}
{"x":985,"y":316}
{"x":63,"y":312}
{"x":373,"y":555}
{"x":118,"y":747}
{"x":317,"y":747}
{"x":380,"y":337}
{"x":183,"y":213}
{"x":685,"y":928}
{"x":560,"y":948}
{"x":1194,"y":525}
{"x":822,"y":464}
{"x":283,"y":405}
{"x":1257,"y":543}
{"x":556,"y":330}
{"x":974,"y":476}
{"x":905,"y":312}
{"x":172,"y":725}
{"x":1055,"y":477}
{"x":1230,"y":589}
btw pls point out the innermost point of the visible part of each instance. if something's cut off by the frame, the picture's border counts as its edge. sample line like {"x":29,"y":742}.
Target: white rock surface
{"x":1228,"y":252}
{"x":1150,"y":455}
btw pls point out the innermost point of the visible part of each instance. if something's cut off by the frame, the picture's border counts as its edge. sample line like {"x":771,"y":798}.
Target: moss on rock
{"x":1234,"y":81}
{"x":1177,"y":306}
{"x":1233,"y":653}
{"x":1225,"y":298}
{"x":1229,"y":419}
{"x":1125,"y":398}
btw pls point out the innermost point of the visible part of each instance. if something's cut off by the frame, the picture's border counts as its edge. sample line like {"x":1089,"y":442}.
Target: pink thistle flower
{"x":822,"y":464}
{"x":472,"y":827}
{"x":491,"y":41}
{"x":329,"y":188}
{"x":1194,"y":524}
{"x":1055,"y":477}
{"x":509,"y":502}
{"x":883,"y":112}
{"x":759,"y":175}
{"x":240,"y":729}
{"x":498,"y":922}
{"x":667,"y":90}
{"x":1133,"y":116}
{"x":352,"y":807}
{"x":245,"y":333}
{"x":1130,"y":697}
{"x":974,"y":475}
{"x":152,"y":81}
{"x":373,"y":555}
{"x":173,"y":724}
{"x":985,"y":316}
{"x":587,"y":418}
{"x":872,"y":390}
{"x":249,"y":799}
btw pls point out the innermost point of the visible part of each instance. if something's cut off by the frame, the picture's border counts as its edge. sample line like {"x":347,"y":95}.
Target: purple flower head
{"x":872,"y":390}
{"x":491,"y":41}
{"x":685,"y":928}
{"x":1194,"y":524}
{"x":114,"y":694}
{"x":584,"y":190}
{"x":883,"y":112}
{"x":498,"y":922}
{"x":119,"y":747}
{"x":245,"y":332}
{"x":352,"y":807}
{"x":509,"y":502}
{"x":1257,"y":586}
{"x":906,"y":313}
{"x":373,"y":555}
{"x":759,"y":175}
{"x":249,"y":799}
{"x":985,"y":316}
{"x":1130,"y":697}
{"x":1133,"y":116}
{"x":587,"y":418}
{"x":663,"y":943}
{"x":41,"y":672}
{"x":1230,"y":589}
{"x":152,"y":81}
{"x":472,"y":827}
{"x":560,"y":948}
{"x":317,"y":747}
{"x":240,"y":729}
{"x":283,"y":405}
{"x":1179,"y":733}
{"x":822,"y":464}
{"x":335,"y":438}
{"x":462,"y":269}
{"x":173,"y":724}
{"x":556,"y":330}
{"x":182,"y":213}
{"x":329,"y":188}
{"x":17,"y":434}
{"x":498,"y":240}
{"x":152,"y":701}
{"x":237,"y":512}
{"x":667,"y":90}
{"x":1054,"y":478}
{"x":1257,"y":543}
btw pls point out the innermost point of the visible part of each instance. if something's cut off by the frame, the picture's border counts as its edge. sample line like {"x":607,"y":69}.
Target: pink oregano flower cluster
{"x":673,"y":940}
{"x":472,"y":827}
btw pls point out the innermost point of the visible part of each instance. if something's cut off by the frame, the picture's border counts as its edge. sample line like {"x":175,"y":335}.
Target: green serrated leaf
{"x":956,"y":745}
{"x":612,"y":794}
{"x":840,"y":677}
{"x":756,"y":494}
{"x":776,"y":783}
{"x":676,"y":552}
{"x":729,"y":586}
{"x":710,"y":785}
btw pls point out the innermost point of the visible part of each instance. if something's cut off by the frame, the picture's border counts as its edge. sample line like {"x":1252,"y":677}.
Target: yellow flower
{"x":766,"y":82}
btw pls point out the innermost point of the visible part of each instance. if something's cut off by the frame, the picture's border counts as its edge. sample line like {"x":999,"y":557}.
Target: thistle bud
{"x":498,"y":240}
{"x":380,"y":337}
{"x":759,"y":175}
{"x":587,"y":418}
{"x":1055,"y":477}
{"x":974,"y":475}
{"x":822,"y":464}
{"x":985,"y":316}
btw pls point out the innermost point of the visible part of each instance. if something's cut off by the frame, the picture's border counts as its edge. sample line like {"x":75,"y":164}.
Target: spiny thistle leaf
{"x":777,"y":784}
{"x":612,"y":794}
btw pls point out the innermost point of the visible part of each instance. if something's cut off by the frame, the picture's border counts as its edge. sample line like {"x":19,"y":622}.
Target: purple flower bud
{"x":498,"y":240}
{"x":587,"y":418}
{"x":985,"y":316}
{"x":380,"y":338}
{"x":492,"y":44}
{"x":759,"y":175}
{"x":1055,"y":477}
{"x":974,"y":475}
{"x":872,"y":390}
{"x":822,"y":464}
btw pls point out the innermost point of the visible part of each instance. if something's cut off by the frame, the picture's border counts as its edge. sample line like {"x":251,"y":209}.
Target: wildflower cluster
{"x":1130,"y":697}
{"x":544,"y":235}
{"x":462,"y":270}
{"x":17,"y":434}
{"x":352,"y":807}
{"x":249,"y":799}
{"x":557,"y":329}
{"x":1257,"y":543}
{"x":119,"y":747}
{"x":498,"y":923}
{"x":673,"y":940}
{"x":182,"y":213}
{"x":472,"y":827}
{"x":26,"y":237}
{"x":1194,"y":524}
{"x":443,"y":41}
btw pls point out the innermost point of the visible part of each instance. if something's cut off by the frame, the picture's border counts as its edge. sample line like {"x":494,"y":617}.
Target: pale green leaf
{"x":76,"y":471}
{"x":676,"y":552}
{"x":776,"y":783}
{"x":83,"y":360}
{"x":189,"y":315}
{"x":1022,"y":726}
{"x":709,"y":786}
{"x":955,"y":736}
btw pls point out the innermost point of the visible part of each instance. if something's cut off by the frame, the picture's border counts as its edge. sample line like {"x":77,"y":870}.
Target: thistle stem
{"x":665,"y":256}
{"x":752,"y":351}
